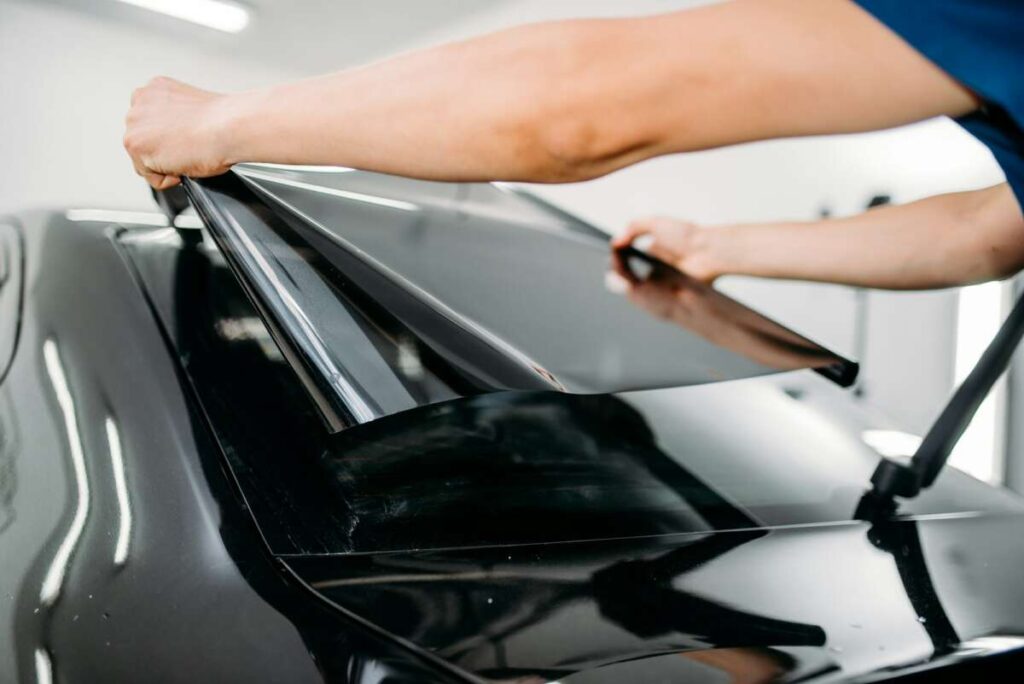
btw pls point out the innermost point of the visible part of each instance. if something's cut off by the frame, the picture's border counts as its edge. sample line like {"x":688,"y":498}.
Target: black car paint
{"x":197,"y":597}
{"x":206,"y":595}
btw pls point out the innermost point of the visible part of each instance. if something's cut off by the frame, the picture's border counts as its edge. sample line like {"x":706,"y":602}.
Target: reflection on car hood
{"x":829,"y":603}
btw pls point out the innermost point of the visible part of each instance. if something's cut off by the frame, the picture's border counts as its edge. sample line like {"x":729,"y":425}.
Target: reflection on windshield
{"x":490,"y":612}
{"x":673,"y":297}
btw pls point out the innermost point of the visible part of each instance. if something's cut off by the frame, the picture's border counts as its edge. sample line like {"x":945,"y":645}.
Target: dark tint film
{"x":389,"y":294}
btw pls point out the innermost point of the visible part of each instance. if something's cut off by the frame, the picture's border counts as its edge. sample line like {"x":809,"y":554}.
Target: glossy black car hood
{"x":744,"y":555}
{"x":387,"y":294}
{"x":817,"y":604}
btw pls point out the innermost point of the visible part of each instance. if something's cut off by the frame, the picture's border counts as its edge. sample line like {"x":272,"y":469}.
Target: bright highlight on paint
{"x":221,"y":15}
{"x":54,"y":579}
{"x":891,"y":443}
{"x":44,"y":667}
{"x":124,"y":509}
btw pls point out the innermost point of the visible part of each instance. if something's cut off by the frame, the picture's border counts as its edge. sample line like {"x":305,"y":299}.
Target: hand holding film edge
{"x":669,"y":294}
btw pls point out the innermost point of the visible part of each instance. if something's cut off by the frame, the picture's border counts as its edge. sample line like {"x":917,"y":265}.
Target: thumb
{"x":633,"y":231}
{"x":161,"y":181}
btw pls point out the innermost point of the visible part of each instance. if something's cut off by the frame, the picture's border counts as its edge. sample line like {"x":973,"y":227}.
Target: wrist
{"x":234,"y":120}
{"x":706,"y":256}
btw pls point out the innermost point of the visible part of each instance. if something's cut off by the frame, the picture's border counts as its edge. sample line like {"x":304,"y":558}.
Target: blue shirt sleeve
{"x":980,"y":43}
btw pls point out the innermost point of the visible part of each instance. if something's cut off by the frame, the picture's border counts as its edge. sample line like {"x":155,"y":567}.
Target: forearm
{"x":561,"y":101}
{"x":516,"y":105}
{"x":942,"y":241}
{"x":572,"y":100}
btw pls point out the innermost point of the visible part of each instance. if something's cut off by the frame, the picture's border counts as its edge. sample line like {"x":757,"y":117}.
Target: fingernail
{"x":615,"y":283}
{"x":643,"y":243}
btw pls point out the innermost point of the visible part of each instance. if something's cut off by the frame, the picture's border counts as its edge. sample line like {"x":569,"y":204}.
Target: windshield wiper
{"x":893,"y":479}
{"x":172,"y":202}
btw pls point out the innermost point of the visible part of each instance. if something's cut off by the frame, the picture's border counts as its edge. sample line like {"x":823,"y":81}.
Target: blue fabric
{"x":980,"y":43}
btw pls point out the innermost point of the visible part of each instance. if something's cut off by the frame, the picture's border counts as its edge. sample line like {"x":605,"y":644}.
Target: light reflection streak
{"x":334,"y":192}
{"x":135,"y":218}
{"x":44,"y":667}
{"x":297,"y":167}
{"x":58,"y":567}
{"x":124,"y":510}
{"x":315,"y":345}
{"x":434,"y":302}
{"x":139,"y":218}
{"x":891,"y":443}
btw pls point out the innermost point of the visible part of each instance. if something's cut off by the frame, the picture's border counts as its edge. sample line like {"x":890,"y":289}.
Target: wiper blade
{"x":894,"y":479}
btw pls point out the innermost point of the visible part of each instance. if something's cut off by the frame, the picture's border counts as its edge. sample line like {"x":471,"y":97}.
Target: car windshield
{"x":543,"y":467}
{"x":511,"y":467}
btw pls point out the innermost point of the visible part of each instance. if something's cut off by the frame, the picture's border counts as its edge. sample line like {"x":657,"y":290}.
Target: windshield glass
{"x":527,"y":468}
{"x":512,"y":467}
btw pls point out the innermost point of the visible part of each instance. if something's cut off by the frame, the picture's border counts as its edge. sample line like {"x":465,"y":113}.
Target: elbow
{"x":568,"y":147}
{"x":997,"y":234}
{"x":577,"y":116}
{"x":1001,"y":264}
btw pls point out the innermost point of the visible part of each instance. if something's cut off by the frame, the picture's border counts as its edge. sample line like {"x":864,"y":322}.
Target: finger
{"x":621,"y":267}
{"x":632,"y":232}
{"x":655,"y":249}
{"x":140,"y":169}
{"x":615,"y":283}
{"x":169,"y":182}
{"x":135,"y":157}
{"x":154,"y":179}
{"x":157,"y":180}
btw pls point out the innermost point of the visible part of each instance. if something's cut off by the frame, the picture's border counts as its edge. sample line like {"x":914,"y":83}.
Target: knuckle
{"x":131,"y":142}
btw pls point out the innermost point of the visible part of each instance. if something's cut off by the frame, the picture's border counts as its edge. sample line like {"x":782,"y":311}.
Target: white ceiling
{"x":304,"y":36}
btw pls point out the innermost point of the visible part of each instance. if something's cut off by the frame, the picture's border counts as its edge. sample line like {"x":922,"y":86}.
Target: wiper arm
{"x":894,"y":479}
{"x":172,"y":202}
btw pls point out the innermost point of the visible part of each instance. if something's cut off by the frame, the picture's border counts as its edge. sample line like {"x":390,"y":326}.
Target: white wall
{"x":65,"y":82}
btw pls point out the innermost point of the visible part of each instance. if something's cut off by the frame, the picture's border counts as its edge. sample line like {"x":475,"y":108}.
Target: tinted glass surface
{"x":512,"y":467}
{"x":492,"y":288}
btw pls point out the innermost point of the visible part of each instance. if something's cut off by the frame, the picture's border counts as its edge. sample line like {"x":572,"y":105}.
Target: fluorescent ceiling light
{"x":222,"y":15}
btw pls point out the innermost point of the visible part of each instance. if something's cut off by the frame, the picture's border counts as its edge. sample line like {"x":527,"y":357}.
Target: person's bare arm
{"x":561,"y":101}
{"x":943,"y":241}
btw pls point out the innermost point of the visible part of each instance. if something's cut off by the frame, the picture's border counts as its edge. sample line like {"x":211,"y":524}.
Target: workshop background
{"x":68,"y":67}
